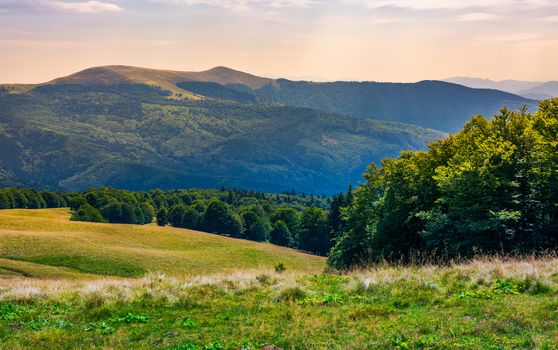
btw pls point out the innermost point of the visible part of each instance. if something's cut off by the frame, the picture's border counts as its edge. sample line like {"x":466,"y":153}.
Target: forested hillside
{"x":432,"y":104}
{"x":302,"y":221}
{"x":134,"y":136}
{"x":140,"y":129}
{"x":491,"y":188}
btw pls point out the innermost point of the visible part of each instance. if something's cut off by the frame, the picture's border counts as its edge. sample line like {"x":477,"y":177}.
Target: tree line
{"x":305,"y":222}
{"x":491,"y":188}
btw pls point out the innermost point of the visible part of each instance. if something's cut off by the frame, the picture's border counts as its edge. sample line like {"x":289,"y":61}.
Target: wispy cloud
{"x":477,"y":16}
{"x":241,"y":5}
{"x":452,"y":4}
{"x":90,"y":6}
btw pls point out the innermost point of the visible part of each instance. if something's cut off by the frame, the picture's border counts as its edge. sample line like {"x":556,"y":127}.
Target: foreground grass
{"x":45,"y":244}
{"x":485,"y":304}
{"x":74,"y":285}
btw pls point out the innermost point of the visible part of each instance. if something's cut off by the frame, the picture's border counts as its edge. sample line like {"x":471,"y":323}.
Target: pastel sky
{"x":381,"y":40}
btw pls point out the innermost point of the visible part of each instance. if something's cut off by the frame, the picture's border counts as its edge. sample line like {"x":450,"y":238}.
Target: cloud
{"x":241,"y":5}
{"x":550,"y":19}
{"x":452,"y":4}
{"x":477,"y":16}
{"x":90,"y":6}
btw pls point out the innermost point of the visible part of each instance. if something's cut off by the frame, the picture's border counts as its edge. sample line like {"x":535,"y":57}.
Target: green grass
{"x":44,"y":243}
{"x":483,"y":304}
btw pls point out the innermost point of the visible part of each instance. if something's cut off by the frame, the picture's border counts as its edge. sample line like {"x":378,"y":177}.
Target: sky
{"x":379,"y":40}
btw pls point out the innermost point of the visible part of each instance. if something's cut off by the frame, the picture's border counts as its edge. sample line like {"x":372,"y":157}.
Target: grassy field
{"x":44,"y":243}
{"x":483,"y":304}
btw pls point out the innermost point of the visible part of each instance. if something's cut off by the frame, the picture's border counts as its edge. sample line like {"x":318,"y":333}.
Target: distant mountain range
{"x":527,"y":89}
{"x":433,"y":104}
{"x":141,"y":128}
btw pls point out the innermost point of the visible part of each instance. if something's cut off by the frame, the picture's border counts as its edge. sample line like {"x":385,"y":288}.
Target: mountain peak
{"x":226,"y":75}
{"x":223,"y":69}
{"x":167,"y":79}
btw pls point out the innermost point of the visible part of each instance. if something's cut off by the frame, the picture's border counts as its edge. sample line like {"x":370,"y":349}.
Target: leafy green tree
{"x":349,"y":197}
{"x":281,"y":235}
{"x":146,"y":213}
{"x":255,"y":227}
{"x":5,"y":200}
{"x":191,"y":218}
{"x":87,"y":213}
{"x":492,"y":187}
{"x":354,"y":247}
{"x":53,"y":199}
{"x":314,"y":234}
{"x":291,"y":218}
{"x":75,"y":200}
{"x":218,"y":218}
{"x":175,"y":215}
{"x":112,"y":212}
{"x":334,"y":218}
{"x":161,"y":217}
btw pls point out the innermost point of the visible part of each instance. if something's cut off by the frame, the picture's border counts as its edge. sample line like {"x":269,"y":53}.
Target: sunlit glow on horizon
{"x":380,"y":40}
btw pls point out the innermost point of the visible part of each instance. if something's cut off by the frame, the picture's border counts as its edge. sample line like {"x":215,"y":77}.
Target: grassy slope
{"x":165,"y":79}
{"x":44,"y":243}
{"x":485,"y":304}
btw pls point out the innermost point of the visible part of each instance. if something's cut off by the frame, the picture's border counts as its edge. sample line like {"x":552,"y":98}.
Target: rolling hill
{"x":43,"y":243}
{"x":433,"y":104}
{"x":141,"y":128}
{"x":75,"y":136}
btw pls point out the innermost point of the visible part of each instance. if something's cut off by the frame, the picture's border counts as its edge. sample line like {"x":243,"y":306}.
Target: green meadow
{"x":76,"y":285}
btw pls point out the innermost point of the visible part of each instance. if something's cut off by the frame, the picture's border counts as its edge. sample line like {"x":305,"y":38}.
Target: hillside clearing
{"x":44,"y":243}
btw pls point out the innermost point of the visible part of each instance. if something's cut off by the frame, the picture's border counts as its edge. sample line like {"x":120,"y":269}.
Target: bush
{"x":280,"y":268}
{"x":292,"y":294}
{"x":87,"y":213}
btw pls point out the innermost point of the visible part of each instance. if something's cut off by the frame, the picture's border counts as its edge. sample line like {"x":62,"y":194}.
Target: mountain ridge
{"x":527,"y":89}
{"x":441,"y":105}
{"x":123,"y":74}
{"x":139,"y":128}
{"x":131,"y":136}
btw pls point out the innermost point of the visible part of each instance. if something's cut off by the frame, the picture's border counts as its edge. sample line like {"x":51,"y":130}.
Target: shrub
{"x":280,"y":268}
{"x":292,"y":294}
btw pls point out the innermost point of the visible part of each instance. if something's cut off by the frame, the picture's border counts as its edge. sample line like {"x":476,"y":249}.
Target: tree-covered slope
{"x":433,"y":104}
{"x":492,"y":188}
{"x":75,"y":136}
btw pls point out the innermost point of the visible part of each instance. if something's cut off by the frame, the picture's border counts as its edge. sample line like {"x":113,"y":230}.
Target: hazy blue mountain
{"x":512,"y":86}
{"x":542,"y":91}
{"x":135,"y":136}
{"x":141,"y":128}
{"x":433,"y":104}
{"x":527,"y":89}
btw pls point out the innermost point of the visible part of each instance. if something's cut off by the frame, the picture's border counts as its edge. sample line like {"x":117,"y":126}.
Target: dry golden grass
{"x":165,"y":79}
{"x":44,"y":243}
{"x":221,"y":293}
{"x":482,"y":304}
